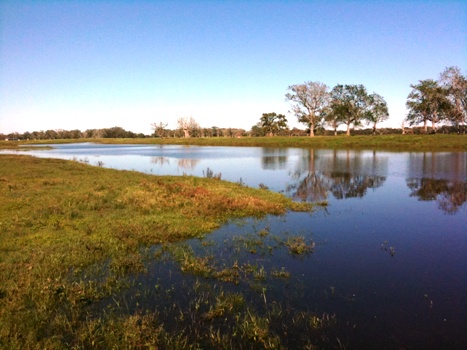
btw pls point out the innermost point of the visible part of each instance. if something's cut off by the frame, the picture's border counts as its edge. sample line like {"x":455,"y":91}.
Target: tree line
{"x":441,"y":102}
{"x":119,"y":132}
{"x":59,"y":134}
{"x":314,"y":104}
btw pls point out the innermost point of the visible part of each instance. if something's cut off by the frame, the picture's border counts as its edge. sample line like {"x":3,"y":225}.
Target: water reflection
{"x":274,"y":158}
{"x":188,"y":164}
{"x":440,"y":177}
{"x":160,"y":161}
{"x":451,"y":166}
{"x":344,"y":174}
{"x":184,"y":163}
{"x":449,"y":195}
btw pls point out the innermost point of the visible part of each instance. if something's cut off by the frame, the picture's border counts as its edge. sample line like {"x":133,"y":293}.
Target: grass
{"x":73,"y":235}
{"x":241,"y":269}
{"x":298,"y":246}
{"x":437,"y":142}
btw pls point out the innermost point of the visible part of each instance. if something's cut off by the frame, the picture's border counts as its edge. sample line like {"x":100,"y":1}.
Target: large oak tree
{"x":427,"y":102}
{"x":272,"y":123}
{"x":349,"y":104}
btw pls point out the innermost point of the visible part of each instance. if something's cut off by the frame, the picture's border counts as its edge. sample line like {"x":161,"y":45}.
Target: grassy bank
{"x":73,"y":235}
{"x":382,"y":142}
{"x":438,"y":142}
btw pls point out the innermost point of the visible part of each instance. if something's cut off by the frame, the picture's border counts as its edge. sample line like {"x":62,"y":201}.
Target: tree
{"x":116,"y":132}
{"x":377,"y":110}
{"x":215,"y":131}
{"x":50,"y":134}
{"x":427,"y":102}
{"x":188,"y":125}
{"x":257,"y":130}
{"x":272,"y":123}
{"x":350,"y":104}
{"x":159,"y":129}
{"x":335,"y":115}
{"x":310,"y":101}
{"x":456,"y":86}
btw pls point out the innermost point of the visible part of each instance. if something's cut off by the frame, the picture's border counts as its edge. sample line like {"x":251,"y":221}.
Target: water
{"x":389,"y":259}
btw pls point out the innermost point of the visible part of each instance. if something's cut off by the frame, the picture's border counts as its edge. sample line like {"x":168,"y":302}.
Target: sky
{"x":99,"y":64}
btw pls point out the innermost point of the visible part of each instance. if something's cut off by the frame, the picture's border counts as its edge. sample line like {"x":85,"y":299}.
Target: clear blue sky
{"x":90,"y":64}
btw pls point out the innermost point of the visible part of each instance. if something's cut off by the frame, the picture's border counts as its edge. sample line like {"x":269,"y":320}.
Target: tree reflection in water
{"x":345,"y":174}
{"x":184,"y":163}
{"x":348,"y":186}
{"x":315,"y":186}
{"x":439,"y":177}
{"x":450,"y":195}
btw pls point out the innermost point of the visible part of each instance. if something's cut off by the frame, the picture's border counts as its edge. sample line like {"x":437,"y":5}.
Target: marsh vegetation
{"x":77,"y":242}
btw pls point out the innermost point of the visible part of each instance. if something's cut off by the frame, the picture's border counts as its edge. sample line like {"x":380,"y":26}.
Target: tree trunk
{"x":348,"y":130}
{"x":312,"y":131}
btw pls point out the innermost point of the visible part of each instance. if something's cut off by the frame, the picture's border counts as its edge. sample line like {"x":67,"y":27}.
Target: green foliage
{"x":377,"y":110}
{"x":428,"y":102}
{"x":349,"y":105}
{"x":273,"y":123}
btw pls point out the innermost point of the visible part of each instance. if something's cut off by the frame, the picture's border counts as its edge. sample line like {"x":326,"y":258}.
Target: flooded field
{"x":380,"y":263}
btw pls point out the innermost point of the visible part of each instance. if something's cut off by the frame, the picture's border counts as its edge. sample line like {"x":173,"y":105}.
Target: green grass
{"x":437,"y":142}
{"x":72,"y":235}
{"x":382,"y":142}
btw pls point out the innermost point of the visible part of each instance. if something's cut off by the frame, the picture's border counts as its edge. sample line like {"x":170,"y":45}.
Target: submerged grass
{"x":73,"y":235}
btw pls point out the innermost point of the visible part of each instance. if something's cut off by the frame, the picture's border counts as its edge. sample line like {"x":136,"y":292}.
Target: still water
{"x":388,"y":268}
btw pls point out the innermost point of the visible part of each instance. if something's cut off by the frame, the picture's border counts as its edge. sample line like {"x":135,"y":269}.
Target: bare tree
{"x":188,"y":125}
{"x":456,"y":86}
{"x":159,"y":128}
{"x":310,"y":101}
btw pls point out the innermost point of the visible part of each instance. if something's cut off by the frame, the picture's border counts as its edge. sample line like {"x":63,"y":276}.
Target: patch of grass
{"x":282,"y":273}
{"x":436,"y":142}
{"x":383,"y":142}
{"x":226,"y":303}
{"x":422,"y":142}
{"x":72,"y":235}
{"x":298,"y":246}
